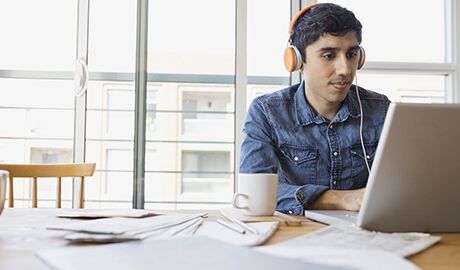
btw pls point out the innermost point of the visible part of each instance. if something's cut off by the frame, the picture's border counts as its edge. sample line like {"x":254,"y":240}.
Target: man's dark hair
{"x":320,"y":20}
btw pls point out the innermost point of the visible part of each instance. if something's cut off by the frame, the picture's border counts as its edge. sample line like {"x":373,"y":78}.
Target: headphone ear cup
{"x":289,"y":59}
{"x":362,"y":57}
{"x":292,"y":59}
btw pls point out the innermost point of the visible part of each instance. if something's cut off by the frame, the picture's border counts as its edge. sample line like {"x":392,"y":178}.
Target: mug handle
{"x":235,"y":201}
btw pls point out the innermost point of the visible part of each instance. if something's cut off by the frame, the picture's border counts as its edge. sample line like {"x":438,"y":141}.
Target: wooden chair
{"x":46,"y":171}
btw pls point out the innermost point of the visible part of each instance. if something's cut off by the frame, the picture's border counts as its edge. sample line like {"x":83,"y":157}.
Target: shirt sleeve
{"x":259,"y":154}
{"x":293,"y":199}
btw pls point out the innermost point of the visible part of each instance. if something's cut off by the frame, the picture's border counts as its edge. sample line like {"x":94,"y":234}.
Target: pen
{"x":244,"y":225}
{"x":231,"y":226}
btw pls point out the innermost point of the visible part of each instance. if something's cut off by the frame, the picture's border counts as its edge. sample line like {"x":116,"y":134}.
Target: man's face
{"x":330,"y":68}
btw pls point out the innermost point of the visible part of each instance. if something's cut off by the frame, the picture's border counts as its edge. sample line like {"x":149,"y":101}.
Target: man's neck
{"x":326,"y":109}
{"x":327,"y":112}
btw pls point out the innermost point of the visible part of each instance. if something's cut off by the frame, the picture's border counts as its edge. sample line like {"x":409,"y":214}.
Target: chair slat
{"x":58,"y":193}
{"x":82,"y":194}
{"x":35,"y":193}
{"x":36,"y":171}
{"x":11,"y":193}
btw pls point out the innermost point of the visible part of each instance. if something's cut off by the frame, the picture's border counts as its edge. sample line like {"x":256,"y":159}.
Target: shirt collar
{"x":350,"y":106}
{"x":307,"y":115}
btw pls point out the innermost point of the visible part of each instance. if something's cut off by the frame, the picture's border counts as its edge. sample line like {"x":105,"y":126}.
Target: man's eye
{"x":328,"y":56}
{"x":352,"y":54}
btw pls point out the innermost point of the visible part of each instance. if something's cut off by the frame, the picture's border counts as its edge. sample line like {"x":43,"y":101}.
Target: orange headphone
{"x":293,"y":58}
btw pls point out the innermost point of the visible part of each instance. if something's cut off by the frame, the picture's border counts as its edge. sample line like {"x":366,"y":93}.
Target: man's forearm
{"x":339,"y":200}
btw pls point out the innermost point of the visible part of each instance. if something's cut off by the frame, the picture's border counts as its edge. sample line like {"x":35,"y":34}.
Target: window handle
{"x":80,"y":88}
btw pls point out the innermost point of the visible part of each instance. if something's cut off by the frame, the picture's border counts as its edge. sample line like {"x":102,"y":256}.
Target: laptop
{"x":414,"y":184}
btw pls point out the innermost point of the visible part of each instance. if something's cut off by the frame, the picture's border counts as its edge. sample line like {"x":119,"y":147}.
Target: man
{"x":309,"y":133}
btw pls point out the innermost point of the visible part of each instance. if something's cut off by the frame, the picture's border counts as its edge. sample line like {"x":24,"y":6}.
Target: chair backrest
{"x":58,"y":171}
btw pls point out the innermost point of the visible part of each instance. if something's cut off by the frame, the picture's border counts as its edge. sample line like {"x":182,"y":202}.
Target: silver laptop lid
{"x":414,"y":184}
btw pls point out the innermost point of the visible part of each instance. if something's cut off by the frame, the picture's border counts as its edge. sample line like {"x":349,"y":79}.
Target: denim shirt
{"x":283,"y":134}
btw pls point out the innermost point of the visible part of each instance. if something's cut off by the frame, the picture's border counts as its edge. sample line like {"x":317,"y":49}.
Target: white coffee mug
{"x":257,"y":193}
{"x":4,"y":175}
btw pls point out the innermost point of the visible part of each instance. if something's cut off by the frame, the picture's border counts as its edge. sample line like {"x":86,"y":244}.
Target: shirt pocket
{"x":300,"y":162}
{"x":358,"y":164}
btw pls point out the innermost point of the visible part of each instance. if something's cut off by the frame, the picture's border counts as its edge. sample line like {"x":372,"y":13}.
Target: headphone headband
{"x":296,"y":17}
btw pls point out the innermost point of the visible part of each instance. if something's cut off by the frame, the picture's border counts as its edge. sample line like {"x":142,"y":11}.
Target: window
{"x":407,"y":56}
{"x":393,"y":32}
{"x":193,"y":62}
{"x":267,"y":38}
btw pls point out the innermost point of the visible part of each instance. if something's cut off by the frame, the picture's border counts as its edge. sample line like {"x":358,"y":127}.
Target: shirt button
{"x":299,"y":196}
{"x":334,"y":183}
{"x":290,"y":212}
{"x":335,"y":154}
{"x":368,"y":157}
{"x":296,"y":158}
{"x":331,"y":126}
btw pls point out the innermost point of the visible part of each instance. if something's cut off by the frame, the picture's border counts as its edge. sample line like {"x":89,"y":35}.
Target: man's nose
{"x":343,"y":66}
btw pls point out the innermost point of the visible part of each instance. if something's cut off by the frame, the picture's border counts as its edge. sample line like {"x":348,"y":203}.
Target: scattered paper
{"x":111,"y":230}
{"x":170,"y":254}
{"x":343,"y":258}
{"x":219,"y":232}
{"x":107,"y":213}
{"x":403,"y":244}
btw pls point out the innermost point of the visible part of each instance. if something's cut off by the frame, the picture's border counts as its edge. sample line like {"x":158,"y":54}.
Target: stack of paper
{"x":353,"y":248}
{"x":403,"y":244}
{"x":125,"y":229}
{"x":107,"y":213}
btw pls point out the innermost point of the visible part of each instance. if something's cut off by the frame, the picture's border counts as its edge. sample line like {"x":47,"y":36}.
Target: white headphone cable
{"x":361,"y":125}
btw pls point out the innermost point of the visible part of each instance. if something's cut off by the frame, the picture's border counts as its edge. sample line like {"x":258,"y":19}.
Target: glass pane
{"x":35,"y":127}
{"x":38,"y":35}
{"x":164,"y":188}
{"x":391,"y":34}
{"x":199,"y":39}
{"x":27,"y":111}
{"x":15,"y":150}
{"x":205,"y":128}
{"x":110,"y":155}
{"x":52,"y":94}
{"x":113,"y":125}
{"x":109,"y":142}
{"x":406,"y":87}
{"x":164,"y":156}
{"x":189,"y":171}
{"x":109,"y":189}
{"x":112,"y":36}
{"x":267,"y":37}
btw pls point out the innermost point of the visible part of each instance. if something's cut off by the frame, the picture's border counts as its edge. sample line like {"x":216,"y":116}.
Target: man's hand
{"x":339,"y":200}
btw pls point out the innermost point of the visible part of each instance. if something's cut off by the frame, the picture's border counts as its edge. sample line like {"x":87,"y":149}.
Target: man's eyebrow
{"x":354,"y":48}
{"x":329,"y":49}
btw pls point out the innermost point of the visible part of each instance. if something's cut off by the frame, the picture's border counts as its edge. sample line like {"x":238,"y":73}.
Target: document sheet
{"x":403,"y":244}
{"x":107,"y":213}
{"x":171,"y":254}
{"x":344,"y":258}
{"x":219,"y":232}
